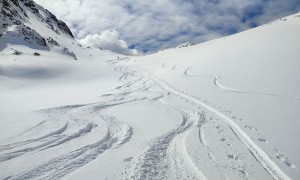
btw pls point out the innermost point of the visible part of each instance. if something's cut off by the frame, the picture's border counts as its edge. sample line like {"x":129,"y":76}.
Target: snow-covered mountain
{"x":25,"y":23}
{"x":224,"y":109}
{"x":187,"y":44}
{"x":21,"y":13}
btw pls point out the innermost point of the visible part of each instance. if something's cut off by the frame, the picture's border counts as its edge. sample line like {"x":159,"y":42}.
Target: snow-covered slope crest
{"x":187,"y":44}
{"x":16,"y":12}
{"x":23,"y":22}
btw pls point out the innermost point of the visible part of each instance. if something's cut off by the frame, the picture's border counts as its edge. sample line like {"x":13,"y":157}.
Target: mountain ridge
{"x":26,"y":23}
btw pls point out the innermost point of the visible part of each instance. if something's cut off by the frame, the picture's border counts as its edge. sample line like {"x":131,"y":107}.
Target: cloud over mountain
{"x":151,"y":25}
{"x":109,"y":40}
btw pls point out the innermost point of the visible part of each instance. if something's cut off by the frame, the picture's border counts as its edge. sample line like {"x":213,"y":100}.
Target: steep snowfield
{"x":224,"y":109}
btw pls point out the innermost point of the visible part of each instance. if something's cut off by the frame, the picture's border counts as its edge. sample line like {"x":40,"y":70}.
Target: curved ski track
{"x":217,"y":79}
{"x":262,"y":157}
{"x":89,"y":130}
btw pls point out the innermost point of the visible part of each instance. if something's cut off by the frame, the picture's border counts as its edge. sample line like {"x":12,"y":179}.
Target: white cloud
{"x":109,"y":40}
{"x":156,"y":24}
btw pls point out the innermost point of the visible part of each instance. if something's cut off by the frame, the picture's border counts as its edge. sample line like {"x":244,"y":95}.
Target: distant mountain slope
{"x":187,"y":44}
{"x":19,"y":12}
{"x":22,"y":20}
{"x":25,"y":23}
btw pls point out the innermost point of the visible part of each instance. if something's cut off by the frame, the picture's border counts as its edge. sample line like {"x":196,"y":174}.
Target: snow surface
{"x":224,"y":109}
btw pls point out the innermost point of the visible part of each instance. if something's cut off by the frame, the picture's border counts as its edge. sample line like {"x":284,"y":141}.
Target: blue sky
{"x":131,"y":26}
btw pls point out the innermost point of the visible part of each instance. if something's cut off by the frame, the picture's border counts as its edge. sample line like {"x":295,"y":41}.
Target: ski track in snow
{"x":153,"y":163}
{"x":255,"y":150}
{"x":217,"y":79}
{"x":116,"y":134}
{"x":165,"y":157}
{"x":217,"y":83}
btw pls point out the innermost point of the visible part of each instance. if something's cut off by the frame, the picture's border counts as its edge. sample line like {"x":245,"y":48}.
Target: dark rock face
{"x":52,"y":16}
{"x":31,"y":36}
{"x":14,"y":12}
{"x":31,"y":5}
{"x":69,"y":52}
{"x":16,"y":2}
{"x":187,"y":44}
{"x":16,"y":52}
{"x":5,"y":3}
{"x":17,"y":26}
{"x":62,"y":26}
{"x":7,"y":10}
{"x":52,"y":42}
{"x":36,"y":54}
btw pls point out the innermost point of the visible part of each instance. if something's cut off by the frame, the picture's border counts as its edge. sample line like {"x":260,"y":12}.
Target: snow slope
{"x":224,"y":109}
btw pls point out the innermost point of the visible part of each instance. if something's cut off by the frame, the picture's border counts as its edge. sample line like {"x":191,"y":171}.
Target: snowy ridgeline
{"x":224,"y":109}
{"x":27,"y":24}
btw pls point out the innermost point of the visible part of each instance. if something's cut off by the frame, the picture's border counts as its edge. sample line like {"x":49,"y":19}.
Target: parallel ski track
{"x":262,"y":157}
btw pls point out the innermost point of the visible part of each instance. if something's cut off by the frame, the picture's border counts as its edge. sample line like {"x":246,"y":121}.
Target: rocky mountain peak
{"x":20,"y":12}
{"x":187,"y":44}
{"x":23,"y":22}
